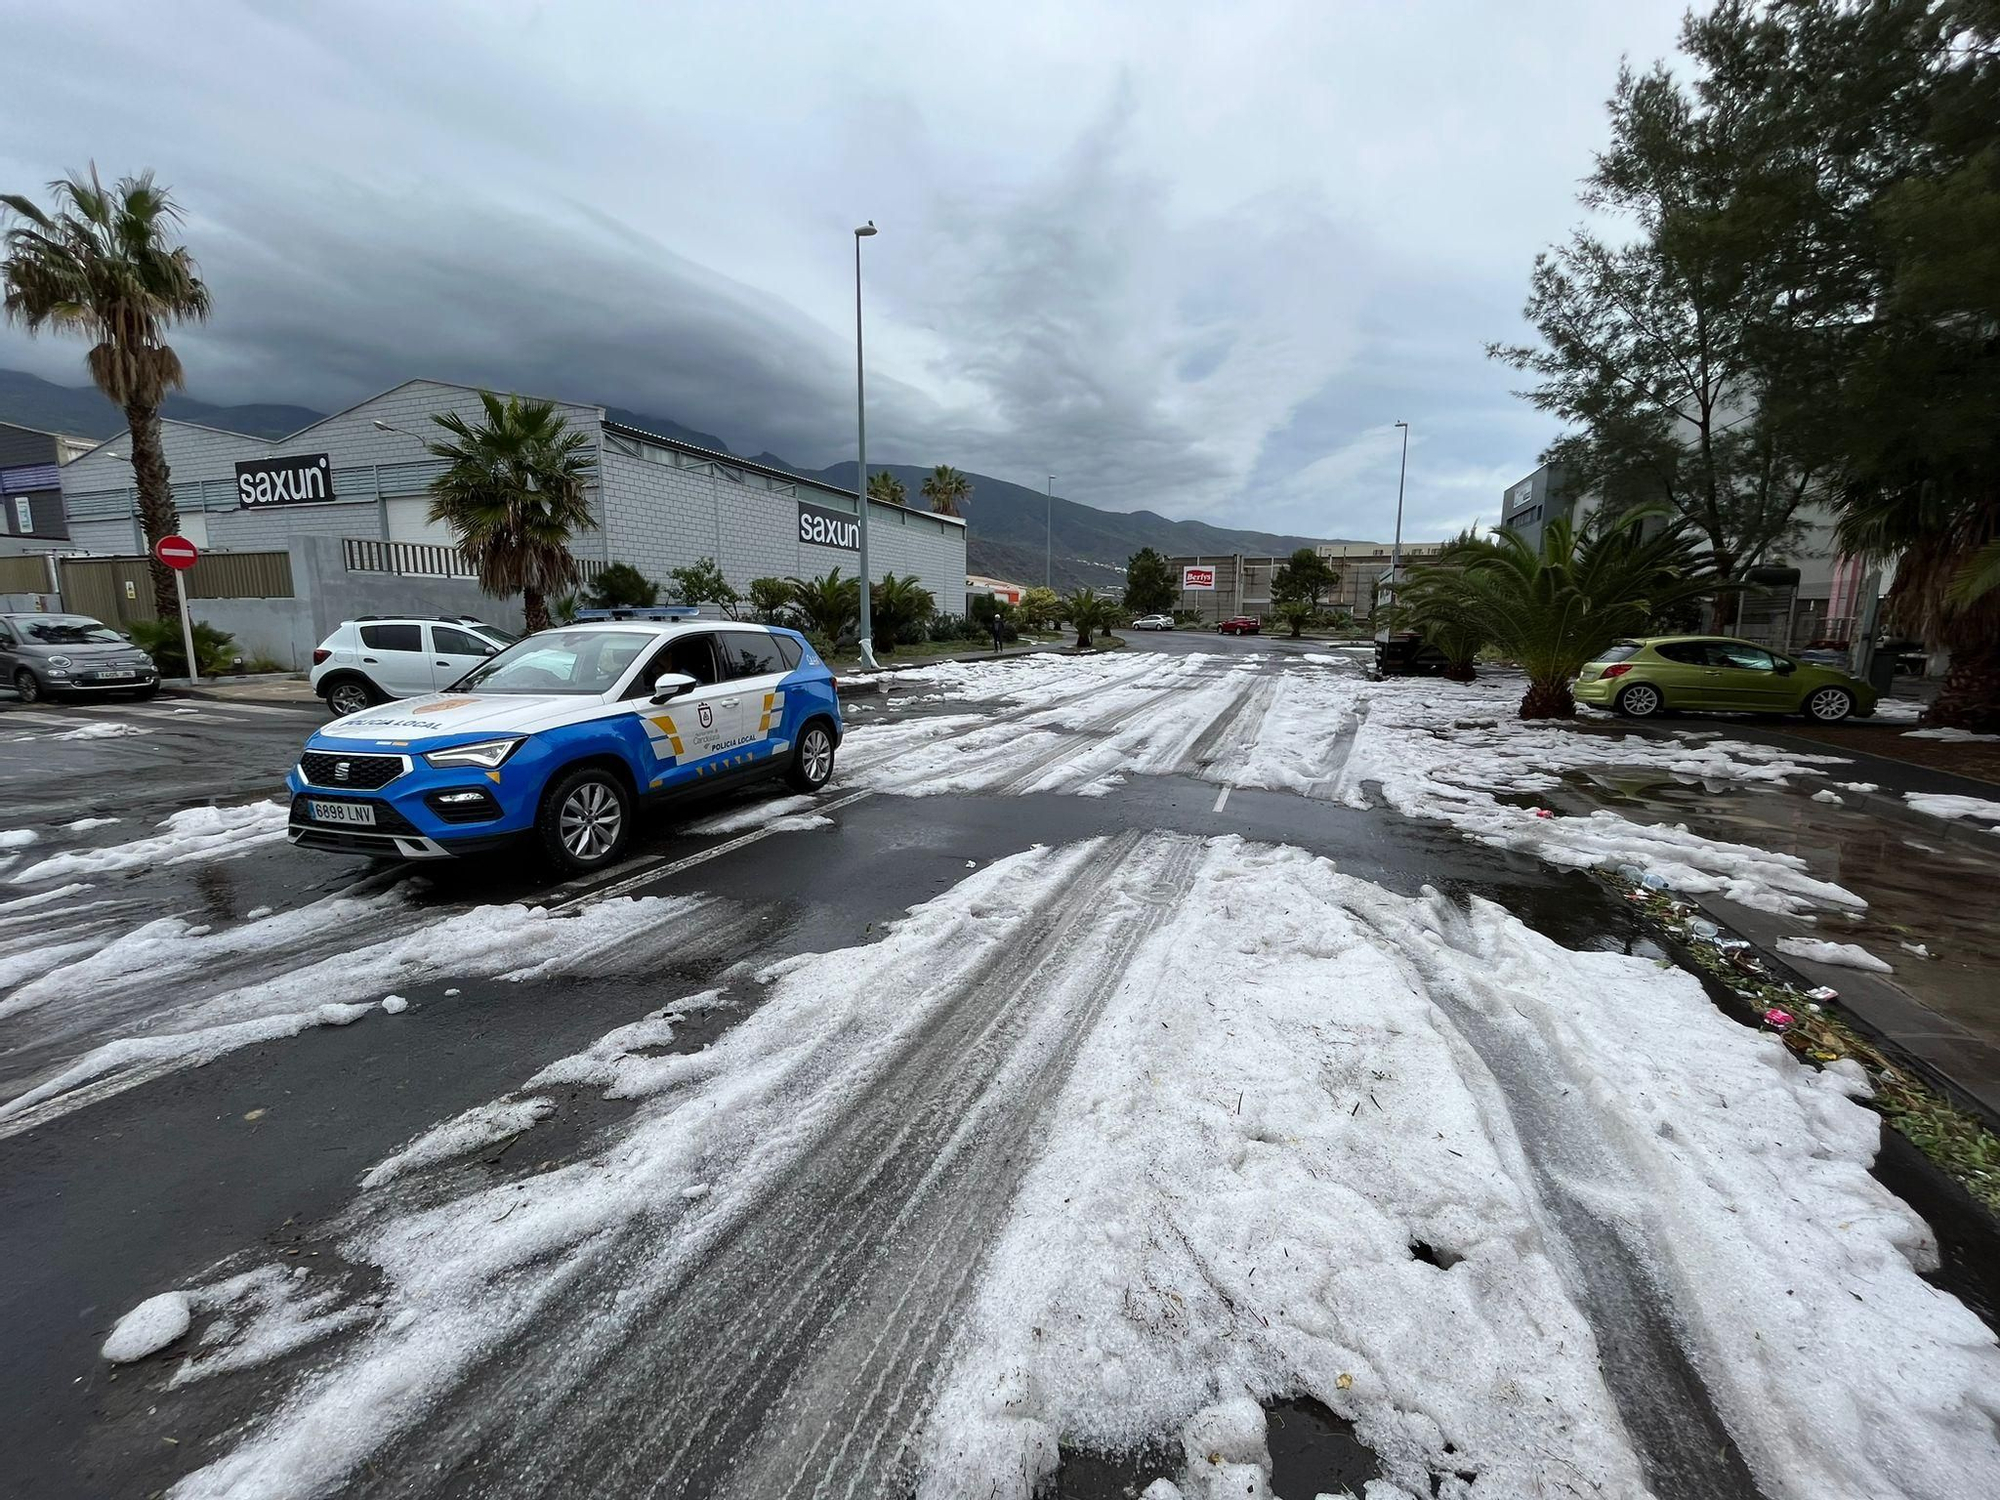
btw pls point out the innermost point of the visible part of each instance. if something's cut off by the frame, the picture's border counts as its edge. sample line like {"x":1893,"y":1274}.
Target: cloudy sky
{"x":1196,"y":258}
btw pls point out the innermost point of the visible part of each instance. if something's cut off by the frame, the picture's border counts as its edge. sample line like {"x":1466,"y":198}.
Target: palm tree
{"x":103,"y":265}
{"x":1554,"y":609}
{"x":514,"y":493}
{"x":898,"y":608}
{"x":947,"y":490}
{"x":827,"y":604}
{"x":1947,"y":588}
{"x":886,"y":487}
{"x":1087,"y":614}
{"x":1297,"y":613}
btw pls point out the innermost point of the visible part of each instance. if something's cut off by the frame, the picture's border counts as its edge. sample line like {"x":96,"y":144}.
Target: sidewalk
{"x":1927,"y":881}
{"x":275,"y":688}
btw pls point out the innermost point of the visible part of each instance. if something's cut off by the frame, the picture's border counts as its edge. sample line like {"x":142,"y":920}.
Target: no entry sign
{"x":177,"y":552}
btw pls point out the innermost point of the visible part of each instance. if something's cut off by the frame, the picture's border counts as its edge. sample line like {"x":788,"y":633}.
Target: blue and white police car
{"x":558,"y":739}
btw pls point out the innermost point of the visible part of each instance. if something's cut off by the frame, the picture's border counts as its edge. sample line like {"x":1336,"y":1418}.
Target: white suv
{"x":379,"y":657}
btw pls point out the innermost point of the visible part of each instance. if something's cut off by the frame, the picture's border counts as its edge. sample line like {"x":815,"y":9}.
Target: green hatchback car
{"x":1713,"y":672}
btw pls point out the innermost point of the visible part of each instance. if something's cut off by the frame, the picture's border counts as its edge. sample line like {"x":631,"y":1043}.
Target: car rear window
{"x":1618,"y":652}
{"x":393,"y":637}
{"x":1693,"y":653}
{"x":790,"y":650}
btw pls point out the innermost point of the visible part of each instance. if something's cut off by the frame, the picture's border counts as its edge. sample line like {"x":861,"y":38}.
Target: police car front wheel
{"x":812,"y":762}
{"x":585,"y":821}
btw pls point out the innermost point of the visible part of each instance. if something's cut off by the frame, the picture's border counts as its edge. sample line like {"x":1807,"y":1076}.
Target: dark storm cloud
{"x":1187,"y":257}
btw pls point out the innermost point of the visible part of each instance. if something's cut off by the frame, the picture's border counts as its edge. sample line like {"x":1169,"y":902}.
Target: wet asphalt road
{"x":263,"y":1146}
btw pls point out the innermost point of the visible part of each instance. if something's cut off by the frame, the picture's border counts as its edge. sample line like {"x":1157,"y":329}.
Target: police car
{"x":559,"y":738}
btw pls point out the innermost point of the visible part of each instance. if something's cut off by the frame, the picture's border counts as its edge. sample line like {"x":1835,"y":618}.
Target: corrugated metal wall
{"x":120,"y":589}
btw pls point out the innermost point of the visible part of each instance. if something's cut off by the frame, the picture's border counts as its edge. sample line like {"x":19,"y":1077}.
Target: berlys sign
{"x":1197,"y":578}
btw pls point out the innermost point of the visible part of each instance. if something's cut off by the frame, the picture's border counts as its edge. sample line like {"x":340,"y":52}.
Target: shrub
{"x":899,"y":610}
{"x":770,"y":599}
{"x":621,"y":586}
{"x":161,"y":640}
{"x":822,"y":644}
{"x":828,"y":605}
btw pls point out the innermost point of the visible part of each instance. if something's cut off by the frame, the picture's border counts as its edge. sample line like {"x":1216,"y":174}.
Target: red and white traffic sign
{"x":177,"y":552}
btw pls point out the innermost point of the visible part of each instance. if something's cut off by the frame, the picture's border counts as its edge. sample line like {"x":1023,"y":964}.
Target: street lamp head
{"x":1402,"y":424}
{"x":865,"y":230}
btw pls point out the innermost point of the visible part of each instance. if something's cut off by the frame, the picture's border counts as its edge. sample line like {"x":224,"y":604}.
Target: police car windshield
{"x":585,"y":662}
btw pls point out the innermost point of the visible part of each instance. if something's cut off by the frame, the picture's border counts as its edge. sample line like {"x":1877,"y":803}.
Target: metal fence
{"x":405,"y":559}
{"x":424,"y":559}
{"x":24,"y":575}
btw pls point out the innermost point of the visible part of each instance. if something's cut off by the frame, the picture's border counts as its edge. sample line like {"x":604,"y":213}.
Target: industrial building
{"x":339,"y":511}
{"x":1221,"y":586}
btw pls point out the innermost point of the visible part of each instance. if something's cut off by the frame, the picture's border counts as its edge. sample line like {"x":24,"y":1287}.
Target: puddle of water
{"x":1314,"y":1452}
{"x":1915,"y":892}
{"x":1109,"y":1476}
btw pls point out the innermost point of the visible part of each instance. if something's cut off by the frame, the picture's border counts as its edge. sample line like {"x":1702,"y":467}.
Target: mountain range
{"x":1012,"y":531}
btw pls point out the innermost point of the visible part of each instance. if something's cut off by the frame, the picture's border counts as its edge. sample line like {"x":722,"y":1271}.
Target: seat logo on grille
{"x":340,"y":769}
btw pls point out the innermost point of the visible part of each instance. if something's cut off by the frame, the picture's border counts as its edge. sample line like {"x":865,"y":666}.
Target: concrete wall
{"x":665,"y":510}
{"x":326,"y":594}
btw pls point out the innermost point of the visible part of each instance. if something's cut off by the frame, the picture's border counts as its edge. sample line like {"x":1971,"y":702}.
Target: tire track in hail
{"x":712,"y":1342}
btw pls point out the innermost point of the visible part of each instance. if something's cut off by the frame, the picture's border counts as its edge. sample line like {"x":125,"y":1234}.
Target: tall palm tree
{"x":514,"y":494}
{"x":1555,"y":608}
{"x":887,"y":488}
{"x":947,"y":490}
{"x":103,"y":264}
{"x":1947,"y":548}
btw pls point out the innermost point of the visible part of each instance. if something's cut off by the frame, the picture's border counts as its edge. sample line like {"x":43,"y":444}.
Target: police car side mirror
{"x":671,"y":685}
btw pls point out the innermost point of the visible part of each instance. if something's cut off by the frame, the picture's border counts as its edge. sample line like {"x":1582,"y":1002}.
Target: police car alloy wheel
{"x":813,"y":763}
{"x":28,"y":686}
{"x":1829,"y":704}
{"x":586,"y":820}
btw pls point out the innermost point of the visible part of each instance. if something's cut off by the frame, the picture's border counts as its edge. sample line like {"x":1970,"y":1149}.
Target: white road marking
{"x":665,"y":871}
{"x":1221,"y":797}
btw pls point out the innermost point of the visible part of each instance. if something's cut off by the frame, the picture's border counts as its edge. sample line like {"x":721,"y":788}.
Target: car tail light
{"x":1616,"y":671}
{"x":320,"y":654}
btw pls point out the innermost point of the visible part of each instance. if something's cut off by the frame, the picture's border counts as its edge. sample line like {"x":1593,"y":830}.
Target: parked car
{"x":1641,"y":678}
{"x":44,"y":656}
{"x":1405,"y":653}
{"x":1153,"y":622}
{"x":558,"y":739}
{"x":1240,"y":625}
{"x":379,"y":657}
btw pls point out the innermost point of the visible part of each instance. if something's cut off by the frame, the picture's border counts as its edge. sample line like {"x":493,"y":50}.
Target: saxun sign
{"x":306,"y":480}
{"x":828,"y":528}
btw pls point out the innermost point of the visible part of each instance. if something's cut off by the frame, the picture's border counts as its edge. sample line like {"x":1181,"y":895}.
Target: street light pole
{"x":861,"y":456}
{"x":1048,"y":545}
{"x":1396,"y":547}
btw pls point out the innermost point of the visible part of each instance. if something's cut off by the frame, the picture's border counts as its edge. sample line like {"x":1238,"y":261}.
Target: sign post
{"x":178,"y":553}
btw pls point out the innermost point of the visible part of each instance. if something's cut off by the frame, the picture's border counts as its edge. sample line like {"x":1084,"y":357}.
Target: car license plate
{"x":116,"y":676}
{"x":344,"y":812}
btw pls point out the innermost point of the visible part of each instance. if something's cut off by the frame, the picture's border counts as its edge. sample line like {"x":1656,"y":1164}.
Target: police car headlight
{"x":486,"y":754}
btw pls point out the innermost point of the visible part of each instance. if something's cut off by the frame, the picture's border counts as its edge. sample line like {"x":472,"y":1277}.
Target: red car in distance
{"x":1241,"y":625}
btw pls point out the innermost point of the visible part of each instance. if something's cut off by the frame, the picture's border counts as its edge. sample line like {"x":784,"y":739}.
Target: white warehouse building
{"x":347,"y":499}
